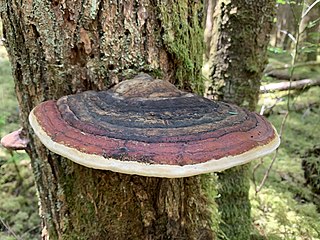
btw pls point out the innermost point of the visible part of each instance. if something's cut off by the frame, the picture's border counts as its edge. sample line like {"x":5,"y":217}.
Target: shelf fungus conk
{"x":148,"y":127}
{"x":14,"y":141}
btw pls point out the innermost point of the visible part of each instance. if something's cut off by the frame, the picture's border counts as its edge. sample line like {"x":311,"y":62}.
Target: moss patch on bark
{"x":183,"y":36}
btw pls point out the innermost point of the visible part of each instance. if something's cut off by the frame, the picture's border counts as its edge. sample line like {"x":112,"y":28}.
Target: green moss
{"x":209,"y":183}
{"x":234,"y":204}
{"x":285,"y":207}
{"x":18,"y":202}
{"x":108,"y":211}
{"x":183,"y":37}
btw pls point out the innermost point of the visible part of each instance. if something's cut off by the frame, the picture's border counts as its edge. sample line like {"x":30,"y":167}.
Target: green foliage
{"x":276,"y":50}
{"x":2,"y":121}
{"x":281,"y":1}
{"x":308,"y":48}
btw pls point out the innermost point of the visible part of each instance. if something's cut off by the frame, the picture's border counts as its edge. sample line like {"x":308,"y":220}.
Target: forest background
{"x":287,"y":204}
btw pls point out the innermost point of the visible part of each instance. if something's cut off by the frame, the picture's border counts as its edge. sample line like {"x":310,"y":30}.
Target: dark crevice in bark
{"x":78,"y":55}
{"x":100,"y":29}
{"x":40,"y":66}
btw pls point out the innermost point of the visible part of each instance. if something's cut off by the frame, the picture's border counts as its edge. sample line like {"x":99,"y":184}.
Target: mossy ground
{"x":283,"y":209}
{"x":18,"y":201}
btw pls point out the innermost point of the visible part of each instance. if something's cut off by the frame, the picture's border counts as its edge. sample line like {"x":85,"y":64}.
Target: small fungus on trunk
{"x":148,"y":127}
{"x":14,"y":141}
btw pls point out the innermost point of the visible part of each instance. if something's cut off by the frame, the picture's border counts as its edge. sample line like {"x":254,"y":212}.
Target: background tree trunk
{"x":287,"y":19}
{"x":240,"y":34}
{"x":310,"y":32}
{"x":63,"y":47}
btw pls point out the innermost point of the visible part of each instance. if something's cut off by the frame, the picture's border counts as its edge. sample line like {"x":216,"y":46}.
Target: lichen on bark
{"x":152,"y":208}
{"x":238,"y":50}
{"x":240,"y":34}
{"x":62,"y":47}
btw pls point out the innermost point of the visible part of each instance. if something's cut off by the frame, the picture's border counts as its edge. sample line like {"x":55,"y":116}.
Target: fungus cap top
{"x":148,"y":127}
{"x":14,"y":141}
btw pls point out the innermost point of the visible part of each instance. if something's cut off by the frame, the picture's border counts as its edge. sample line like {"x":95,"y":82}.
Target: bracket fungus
{"x":15,"y":141}
{"x":148,"y":127}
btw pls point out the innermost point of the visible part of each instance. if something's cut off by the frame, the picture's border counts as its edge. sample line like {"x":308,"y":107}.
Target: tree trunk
{"x":240,"y":35}
{"x":309,"y":28}
{"x":287,"y":15}
{"x":63,"y":47}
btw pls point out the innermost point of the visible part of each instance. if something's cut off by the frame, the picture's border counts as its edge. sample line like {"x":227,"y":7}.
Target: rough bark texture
{"x":60,"y":47}
{"x":240,"y":34}
{"x":238,"y":53}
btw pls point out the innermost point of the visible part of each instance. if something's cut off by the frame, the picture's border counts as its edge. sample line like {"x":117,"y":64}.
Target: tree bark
{"x":61,"y":47}
{"x":240,"y":35}
{"x":287,"y":15}
{"x":310,"y":32}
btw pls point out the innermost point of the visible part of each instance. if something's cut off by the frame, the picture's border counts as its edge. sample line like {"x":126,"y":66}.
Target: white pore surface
{"x":150,"y":170}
